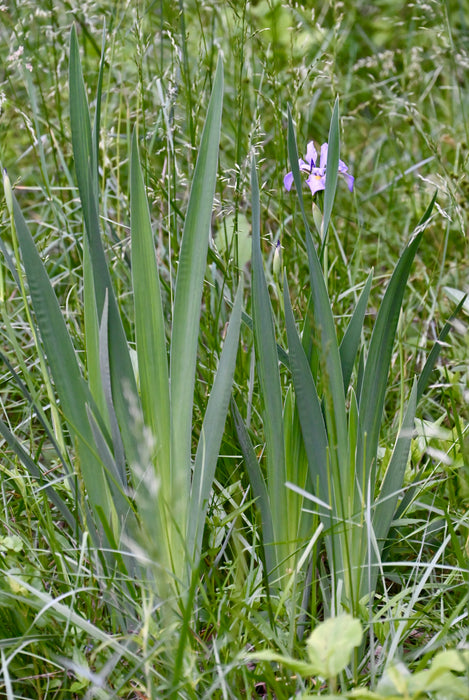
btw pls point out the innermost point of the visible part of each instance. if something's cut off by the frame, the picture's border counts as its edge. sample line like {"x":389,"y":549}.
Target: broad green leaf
{"x":452,"y":660}
{"x":122,"y":376}
{"x":149,"y":323}
{"x":81,"y":129}
{"x":375,"y":377}
{"x":282,"y":354}
{"x":315,"y":436}
{"x":309,"y":405}
{"x":187,"y":303}
{"x":331,"y":644}
{"x":298,"y":472}
{"x":97,"y":115}
{"x":105,"y":371}
{"x":91,"y":327}
{"x":353,"y":426}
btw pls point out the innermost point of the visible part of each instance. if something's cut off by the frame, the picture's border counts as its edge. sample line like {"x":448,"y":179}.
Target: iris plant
{"x":316,"y":180}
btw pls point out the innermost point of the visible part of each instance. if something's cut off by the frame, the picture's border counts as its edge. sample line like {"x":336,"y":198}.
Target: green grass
{"x":149,"y":548}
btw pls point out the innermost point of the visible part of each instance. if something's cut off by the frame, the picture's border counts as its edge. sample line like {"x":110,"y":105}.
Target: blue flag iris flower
{"x":316,"y":179}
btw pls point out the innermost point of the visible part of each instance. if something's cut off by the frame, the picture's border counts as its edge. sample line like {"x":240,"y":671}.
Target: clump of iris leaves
{"x":234,"y":422}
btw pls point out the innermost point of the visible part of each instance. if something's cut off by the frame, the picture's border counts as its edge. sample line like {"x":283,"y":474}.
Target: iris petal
{"x":316,"y":182}
{"x":323,"y":159}
{"x":350,"y":180}
{"x":311,"y":155}
{"x":288,"y":181}
{"x":342,"y":167}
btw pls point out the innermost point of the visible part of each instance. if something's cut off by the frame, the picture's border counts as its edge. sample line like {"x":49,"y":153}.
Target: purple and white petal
{"x":311,"y":155}
{"x":304,"y":167}
{"x":323,"y":158}
{"x":288,"y":181}
{"x":350,"y":180}
{"x":342,"y":167}
{"x":316,"y":182}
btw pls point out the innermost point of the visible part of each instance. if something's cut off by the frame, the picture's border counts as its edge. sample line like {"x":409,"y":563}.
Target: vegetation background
{"x":73,"y":625}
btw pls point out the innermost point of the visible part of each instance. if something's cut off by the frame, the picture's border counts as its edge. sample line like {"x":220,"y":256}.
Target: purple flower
{"x":316,"y":179}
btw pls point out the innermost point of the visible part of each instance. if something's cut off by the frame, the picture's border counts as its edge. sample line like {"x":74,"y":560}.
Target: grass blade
{"x":436,"y":349}
{"x":105,"y":371}
{"x":394,"y":477}
{"x":36,"y":473}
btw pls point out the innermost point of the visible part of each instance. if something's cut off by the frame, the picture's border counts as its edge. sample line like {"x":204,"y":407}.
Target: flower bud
{"x":8,"y":193}
{"x":277,"y":261}
{"x":317,"y":217}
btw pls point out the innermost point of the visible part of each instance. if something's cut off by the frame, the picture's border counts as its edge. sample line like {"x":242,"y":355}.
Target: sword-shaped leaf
{"x":213,"y":425}
{"x":375,"y":377}
{"x":187,"y":305}
{"x":269,"y":379}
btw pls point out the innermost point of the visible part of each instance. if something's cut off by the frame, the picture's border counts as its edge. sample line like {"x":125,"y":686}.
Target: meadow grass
{"x":176,"y":534}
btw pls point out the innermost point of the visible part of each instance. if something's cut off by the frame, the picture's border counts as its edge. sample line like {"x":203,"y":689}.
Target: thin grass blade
{"x":36,"y":473}
{"x":391,"y":488}
{"x":436,"y":349}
